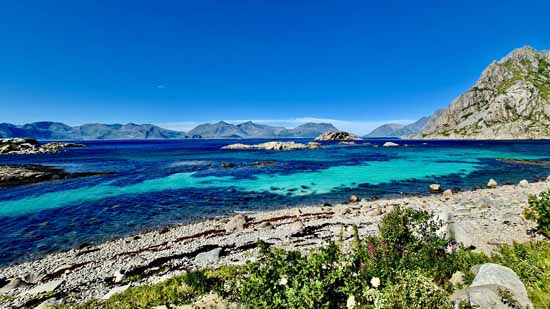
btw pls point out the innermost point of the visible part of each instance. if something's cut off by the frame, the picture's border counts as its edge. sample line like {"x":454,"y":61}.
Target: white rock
{"x":447,"y":193}
{"x":115,"y":290}
{"x":503,"y":276}
{"x":118,"y":276}
{"x":435,"y":187}
{"x":208,"y":257}
{"x":236,"y":224}
{"x":492,"y":184}
{"x":390,"y":144}
{"x":12,"y":285}
{"x":524,"y":183}
{"x":44,"y":287}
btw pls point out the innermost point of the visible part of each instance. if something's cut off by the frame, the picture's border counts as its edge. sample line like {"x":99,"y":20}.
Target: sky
{"x":178,"y":63}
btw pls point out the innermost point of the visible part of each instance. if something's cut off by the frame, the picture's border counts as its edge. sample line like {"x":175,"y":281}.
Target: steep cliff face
{"x":511,"y":100}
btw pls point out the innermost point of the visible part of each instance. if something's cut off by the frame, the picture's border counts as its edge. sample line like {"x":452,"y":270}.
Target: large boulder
{"x":492,"y":184}
{"x":236,"y":224}
{"x":494,"y":286}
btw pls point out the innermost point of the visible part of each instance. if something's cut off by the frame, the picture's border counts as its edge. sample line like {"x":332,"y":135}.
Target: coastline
{"x":482,"y":218}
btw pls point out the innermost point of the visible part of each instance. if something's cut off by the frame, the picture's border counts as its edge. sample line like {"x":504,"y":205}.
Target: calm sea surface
{"x":158,"y":183}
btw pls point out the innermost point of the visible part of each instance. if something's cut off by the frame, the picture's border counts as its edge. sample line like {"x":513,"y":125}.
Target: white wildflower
{"x":375,"y":282}
{"x":351,"y":302}
{"x":283,"y":281}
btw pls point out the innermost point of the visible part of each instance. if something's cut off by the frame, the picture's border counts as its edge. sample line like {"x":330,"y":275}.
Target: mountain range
{"x":253,"y":130}
{"x":396,"y":130}
{"x":46,"y":130}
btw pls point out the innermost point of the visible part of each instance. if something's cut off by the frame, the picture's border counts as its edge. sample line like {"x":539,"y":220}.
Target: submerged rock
{"x":15,"y":175}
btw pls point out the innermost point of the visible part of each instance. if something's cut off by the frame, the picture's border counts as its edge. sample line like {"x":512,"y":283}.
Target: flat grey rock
{"x":208,"y":257}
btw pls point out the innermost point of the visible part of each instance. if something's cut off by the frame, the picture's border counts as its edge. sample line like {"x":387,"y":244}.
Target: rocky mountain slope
{"x":59,"y":131}
{"x":511,"y":100}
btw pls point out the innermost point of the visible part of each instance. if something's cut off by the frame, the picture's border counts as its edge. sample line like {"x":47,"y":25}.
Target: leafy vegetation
{"x":407,"y":266}
{"x":539,"y":211}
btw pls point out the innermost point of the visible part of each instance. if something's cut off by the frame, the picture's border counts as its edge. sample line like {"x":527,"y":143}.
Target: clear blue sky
{"x":180,"y":62}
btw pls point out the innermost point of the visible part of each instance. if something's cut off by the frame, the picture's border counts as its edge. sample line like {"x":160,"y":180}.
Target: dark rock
{"x":15,"y":175}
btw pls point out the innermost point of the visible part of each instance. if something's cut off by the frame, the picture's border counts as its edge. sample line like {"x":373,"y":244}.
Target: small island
{"x":17,"y":146}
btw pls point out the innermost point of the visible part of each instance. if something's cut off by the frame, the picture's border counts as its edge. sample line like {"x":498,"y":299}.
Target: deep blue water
{"x":158,"y":183}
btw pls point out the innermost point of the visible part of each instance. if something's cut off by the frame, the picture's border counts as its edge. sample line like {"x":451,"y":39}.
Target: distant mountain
{"x":396,"y":130}
{"x":308,"y":130}
{"x":511,"y":100}
{"x":252,"y":130}
{"x":97,"y":131}
{"x":60,"y":131}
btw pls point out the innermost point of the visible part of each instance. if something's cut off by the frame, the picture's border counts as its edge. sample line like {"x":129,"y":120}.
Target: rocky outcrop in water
{"x":511,"y":100}
{"x":337,"y":136}
{"x":31,"y":146}
{"x":15,"y":175}
{"x":273,"y":146}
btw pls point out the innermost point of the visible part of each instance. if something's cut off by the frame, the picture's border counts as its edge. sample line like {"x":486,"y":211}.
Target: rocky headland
{"x":10,"y":146}
{"x":16,"y":175}
{"x":481,"y":219}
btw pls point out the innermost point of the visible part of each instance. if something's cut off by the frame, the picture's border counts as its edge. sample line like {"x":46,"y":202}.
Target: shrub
{"x":408,"y":245}
{"x":531,"y":262}
{"x":415,"y":291}
{"x":539,"y":211}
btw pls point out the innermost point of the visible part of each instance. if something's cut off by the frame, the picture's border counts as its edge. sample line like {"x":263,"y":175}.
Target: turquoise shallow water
{"x":159,"y":183}
{"x":407,"y":165}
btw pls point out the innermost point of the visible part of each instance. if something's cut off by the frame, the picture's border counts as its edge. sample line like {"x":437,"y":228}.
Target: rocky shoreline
{"x":481,"y":219}
{"x":17,"y":175}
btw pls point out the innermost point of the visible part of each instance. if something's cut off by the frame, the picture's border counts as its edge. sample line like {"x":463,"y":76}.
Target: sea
{"x":161,"y":183}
